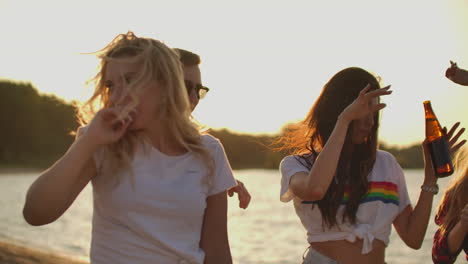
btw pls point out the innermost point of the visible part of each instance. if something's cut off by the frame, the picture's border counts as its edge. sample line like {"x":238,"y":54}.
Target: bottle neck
{"x":429,"y":113}
{"x":433,"y":127}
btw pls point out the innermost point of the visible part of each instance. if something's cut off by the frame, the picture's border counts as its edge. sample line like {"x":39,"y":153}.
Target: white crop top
{"x":159,"y":220}
{"x":386,"y":199}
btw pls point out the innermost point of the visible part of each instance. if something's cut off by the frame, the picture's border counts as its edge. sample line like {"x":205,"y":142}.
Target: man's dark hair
{"x":188,"y":58}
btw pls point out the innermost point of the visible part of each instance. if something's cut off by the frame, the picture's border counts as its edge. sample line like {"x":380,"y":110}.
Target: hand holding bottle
{"x":440,"y":143}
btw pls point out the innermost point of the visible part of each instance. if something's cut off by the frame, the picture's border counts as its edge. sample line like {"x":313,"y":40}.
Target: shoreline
{"x":13,"y":253}
{"x":18,"y":170}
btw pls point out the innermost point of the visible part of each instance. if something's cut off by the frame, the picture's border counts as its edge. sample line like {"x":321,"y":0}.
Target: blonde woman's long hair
{"x":160,"y":64}
{"x":456,"y":193}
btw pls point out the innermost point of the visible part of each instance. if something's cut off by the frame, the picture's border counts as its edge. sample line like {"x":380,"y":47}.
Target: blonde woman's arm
{"x":52,"y":193}
{"x":56,"y":188}
{"x":214,"y":237}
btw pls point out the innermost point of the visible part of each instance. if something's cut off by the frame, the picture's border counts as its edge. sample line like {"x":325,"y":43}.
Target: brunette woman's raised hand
{"x":366,"y":103}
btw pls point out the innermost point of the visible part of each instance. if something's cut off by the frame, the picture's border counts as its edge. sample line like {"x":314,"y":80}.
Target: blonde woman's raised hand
{"x":365,"y":103}
{"x":108,"y":126}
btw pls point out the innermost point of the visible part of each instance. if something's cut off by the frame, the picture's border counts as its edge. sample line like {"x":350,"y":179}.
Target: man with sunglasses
{"x":196,"y":91}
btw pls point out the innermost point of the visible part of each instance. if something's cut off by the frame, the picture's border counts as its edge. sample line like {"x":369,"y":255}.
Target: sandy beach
{"x":15,"y":254}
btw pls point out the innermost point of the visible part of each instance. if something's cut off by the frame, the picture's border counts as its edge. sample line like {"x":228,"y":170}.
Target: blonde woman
{"x":452,"y":217}
{"x":159,"y":186}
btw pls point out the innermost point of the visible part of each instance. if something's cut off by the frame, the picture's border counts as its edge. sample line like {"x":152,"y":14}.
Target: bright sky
{"x":265,"y":61}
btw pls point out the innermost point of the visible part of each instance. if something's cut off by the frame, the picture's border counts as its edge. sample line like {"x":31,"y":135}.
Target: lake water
{"x":267,"y":232}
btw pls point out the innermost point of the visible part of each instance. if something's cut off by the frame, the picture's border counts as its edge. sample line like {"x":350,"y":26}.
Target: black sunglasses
{"x":199,"y":89}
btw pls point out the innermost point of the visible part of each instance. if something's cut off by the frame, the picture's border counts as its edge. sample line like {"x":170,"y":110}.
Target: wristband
{"x":432,"y":189}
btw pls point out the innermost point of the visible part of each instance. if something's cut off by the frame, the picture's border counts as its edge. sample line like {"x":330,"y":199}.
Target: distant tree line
{"x":409,"y":157}
{"x":248,"y":151}
{"x":35,"y":130}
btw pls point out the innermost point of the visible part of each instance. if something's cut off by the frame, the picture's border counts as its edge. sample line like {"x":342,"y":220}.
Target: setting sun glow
{"x":265,"y":62}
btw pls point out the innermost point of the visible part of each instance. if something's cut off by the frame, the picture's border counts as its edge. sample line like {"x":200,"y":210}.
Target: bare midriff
{"x":345,"y":252}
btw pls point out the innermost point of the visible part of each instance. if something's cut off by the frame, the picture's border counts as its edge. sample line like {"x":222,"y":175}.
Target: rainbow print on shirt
{"x":386,"y":192}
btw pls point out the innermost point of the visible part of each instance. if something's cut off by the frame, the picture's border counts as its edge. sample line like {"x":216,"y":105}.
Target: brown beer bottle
{"x":438,"y":143}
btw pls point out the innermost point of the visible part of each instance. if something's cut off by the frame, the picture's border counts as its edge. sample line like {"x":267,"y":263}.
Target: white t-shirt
{"x":386,"y":199}
{"x":159,"y":220}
